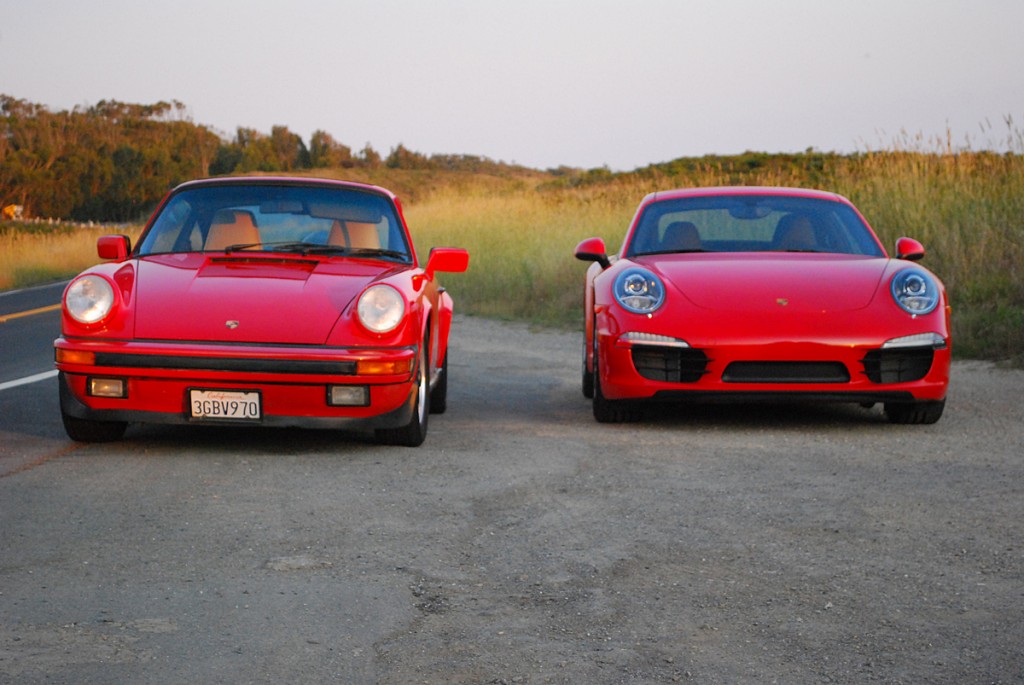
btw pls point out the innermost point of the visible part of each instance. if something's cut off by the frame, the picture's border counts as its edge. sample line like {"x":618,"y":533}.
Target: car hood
{"x":753,"y":282}
{"x":286,"y":300}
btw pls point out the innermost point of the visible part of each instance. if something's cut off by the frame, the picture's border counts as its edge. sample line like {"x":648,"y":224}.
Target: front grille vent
{"x":899,"y":365}
{"x":670,"y":364}
{"x":238,"y":364}
{"x":786,"y":372}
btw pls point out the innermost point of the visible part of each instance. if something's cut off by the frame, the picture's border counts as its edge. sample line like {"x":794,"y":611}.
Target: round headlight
{"x":915,"y":291}
{"x":89,"y":299}
{"x":639,"y":291}
{"x":381,"y":308}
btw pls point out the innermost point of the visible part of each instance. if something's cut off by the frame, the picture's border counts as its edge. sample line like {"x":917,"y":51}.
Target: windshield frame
{"x":279,"y":217}
{"x":837,"y":226}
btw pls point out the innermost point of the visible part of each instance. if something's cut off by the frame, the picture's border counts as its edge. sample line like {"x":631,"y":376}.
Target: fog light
{"x":348,"y":395}
{"x":932,"y":340}
{"x":108,"y":387}
{"x":638,"y":338}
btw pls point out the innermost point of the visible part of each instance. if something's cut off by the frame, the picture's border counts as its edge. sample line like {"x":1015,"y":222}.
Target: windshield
{"x":271,"y":218}
{"x":751,"y":223}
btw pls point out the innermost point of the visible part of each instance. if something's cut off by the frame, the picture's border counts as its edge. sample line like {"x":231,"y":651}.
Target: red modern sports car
{"x":761,"y":294}
{"x":260,"y":301}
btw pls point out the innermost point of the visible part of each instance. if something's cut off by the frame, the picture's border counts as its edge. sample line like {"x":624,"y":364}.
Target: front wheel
{"x":914,"y":412}
{"x":588,"y":376}
{"x":439,"y":395}
{"x":611,"y":411}
{"x":413,"y":433}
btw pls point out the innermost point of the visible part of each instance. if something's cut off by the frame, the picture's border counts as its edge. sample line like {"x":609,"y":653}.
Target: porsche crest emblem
{"x":781,"y":301}
{"x":231,"y":323}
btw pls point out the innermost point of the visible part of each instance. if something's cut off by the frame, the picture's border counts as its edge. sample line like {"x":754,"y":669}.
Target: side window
{"x":169,"y":228}
{"x":193,"y":238}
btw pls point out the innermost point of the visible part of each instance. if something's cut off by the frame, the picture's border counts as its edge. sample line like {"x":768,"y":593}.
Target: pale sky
{"x":617,"y":83}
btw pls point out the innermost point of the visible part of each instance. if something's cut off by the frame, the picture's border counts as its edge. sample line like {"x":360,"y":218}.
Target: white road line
{"x":60,"y":284}
{"x":28,"y":379}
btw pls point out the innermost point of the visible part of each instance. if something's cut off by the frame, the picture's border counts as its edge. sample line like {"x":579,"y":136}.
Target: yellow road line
{"x":17,"y":315}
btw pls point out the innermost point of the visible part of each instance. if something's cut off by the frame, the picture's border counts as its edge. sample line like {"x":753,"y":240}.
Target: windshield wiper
{"x":310,"y":248}
{"x":284,"y":246}
{"x":238,"y":247}
{"x":657,"y":252}
{"x":377,"y":252}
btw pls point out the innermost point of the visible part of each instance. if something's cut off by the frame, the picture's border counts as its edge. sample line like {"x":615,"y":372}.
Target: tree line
{"x":113,"y":161}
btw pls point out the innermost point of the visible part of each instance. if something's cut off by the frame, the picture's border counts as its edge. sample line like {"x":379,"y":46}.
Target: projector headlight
{"x":639,"y":291}
{"x":915,"y":291}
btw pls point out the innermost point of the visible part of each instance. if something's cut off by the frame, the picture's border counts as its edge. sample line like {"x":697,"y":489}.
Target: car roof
{"x":307,"y":181}
{"x":742,"y":190}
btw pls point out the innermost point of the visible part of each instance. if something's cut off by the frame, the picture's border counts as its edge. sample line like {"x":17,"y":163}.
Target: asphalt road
{"x":29,"y":321}
{"x":523,"y":543}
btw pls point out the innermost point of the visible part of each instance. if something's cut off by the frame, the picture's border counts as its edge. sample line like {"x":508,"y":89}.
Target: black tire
{"x":439,"y":395}
{"x":914,"y":412}
{"x":413,"y":433}
{"x":611,"y":411}
{"x":84,"y":430}
{"x":588,"y":376}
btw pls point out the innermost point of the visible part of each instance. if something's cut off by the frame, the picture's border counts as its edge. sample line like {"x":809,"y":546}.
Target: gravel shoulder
{"x":525,"y":543}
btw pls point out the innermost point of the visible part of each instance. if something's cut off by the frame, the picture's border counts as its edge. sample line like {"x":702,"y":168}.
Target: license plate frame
{"x":225,"y":405}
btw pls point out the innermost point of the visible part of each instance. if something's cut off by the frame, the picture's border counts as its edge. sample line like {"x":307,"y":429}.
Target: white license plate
{"x":226,"y":405}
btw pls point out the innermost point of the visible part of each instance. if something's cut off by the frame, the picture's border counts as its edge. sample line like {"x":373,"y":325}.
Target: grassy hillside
{"x":521,"y":226}
{"x":967,"y":209}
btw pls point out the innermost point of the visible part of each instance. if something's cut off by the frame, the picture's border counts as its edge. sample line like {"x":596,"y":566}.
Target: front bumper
{"x":814,"y":371}
{"x":293,"y":381}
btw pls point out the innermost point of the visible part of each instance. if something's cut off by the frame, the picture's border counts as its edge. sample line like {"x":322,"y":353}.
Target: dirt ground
{"x":525,"y":543}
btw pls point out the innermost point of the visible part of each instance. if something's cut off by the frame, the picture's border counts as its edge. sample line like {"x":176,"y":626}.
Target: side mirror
{"x":114,"y":247}
{"x":593,"y":250}
{"x":450,"y":259}
{"x":909,"y":249}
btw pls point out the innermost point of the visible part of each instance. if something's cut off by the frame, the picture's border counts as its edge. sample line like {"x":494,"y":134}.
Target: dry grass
{"x":968,"y":211}
{"x":521,"y":245}
{"x":967,"y":208}
{"x":38,"y":253}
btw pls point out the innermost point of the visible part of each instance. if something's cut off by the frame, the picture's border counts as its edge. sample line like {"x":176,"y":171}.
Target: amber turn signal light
{"x":75,"y":357}
{"x":371,"y":367}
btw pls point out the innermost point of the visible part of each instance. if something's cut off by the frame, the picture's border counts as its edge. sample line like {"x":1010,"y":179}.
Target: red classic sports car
{"x":260,"y":301}
{"x":761,"y":294}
